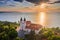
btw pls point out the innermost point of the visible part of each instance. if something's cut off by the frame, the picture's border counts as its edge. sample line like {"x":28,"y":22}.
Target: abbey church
{"x":27,"y":26}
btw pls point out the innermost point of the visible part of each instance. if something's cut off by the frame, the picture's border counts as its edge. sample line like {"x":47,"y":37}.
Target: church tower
{"x":22,"y":24}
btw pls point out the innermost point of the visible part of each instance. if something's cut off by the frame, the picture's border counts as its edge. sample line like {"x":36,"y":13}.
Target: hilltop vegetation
{"x":8,"y":31}
{"x":45,"y":34}
{"x":50,"y":33}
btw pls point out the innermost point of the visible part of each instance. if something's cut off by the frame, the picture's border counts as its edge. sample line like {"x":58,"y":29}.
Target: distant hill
{"x":6,"y":11}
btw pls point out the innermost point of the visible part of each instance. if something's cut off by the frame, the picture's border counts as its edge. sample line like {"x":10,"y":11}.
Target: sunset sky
{"x":26,"y":6}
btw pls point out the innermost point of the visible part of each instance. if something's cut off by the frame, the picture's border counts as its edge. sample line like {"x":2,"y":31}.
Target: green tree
{"x":30,"y":36}
{"x":8,"y":31}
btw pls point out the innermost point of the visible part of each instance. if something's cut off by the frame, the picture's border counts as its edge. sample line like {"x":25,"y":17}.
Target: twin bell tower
{"x":22,"y":23}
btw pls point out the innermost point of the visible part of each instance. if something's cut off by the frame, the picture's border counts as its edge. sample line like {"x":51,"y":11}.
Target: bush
{"x":7,"y":31}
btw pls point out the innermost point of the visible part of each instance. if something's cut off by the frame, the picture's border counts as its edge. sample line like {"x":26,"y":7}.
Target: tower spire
{"x":24,"y":19}
{"x":21,"y":19}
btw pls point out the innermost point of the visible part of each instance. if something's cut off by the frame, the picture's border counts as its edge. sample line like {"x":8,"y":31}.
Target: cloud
{"x":57,"y":2}
{"x":37,"y":1}
{"x":33,"y":1}
{"x":19,"y":0}
{"x":1,"y":0}
{"x":30,"y":1}
{"x":16,"y":3}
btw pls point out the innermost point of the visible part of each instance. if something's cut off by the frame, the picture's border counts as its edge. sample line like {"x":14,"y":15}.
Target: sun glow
{"x":43,"y":5}
{"x":42,"y":18}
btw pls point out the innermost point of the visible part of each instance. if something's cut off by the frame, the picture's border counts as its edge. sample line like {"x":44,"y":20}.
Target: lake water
{"x":48,"y":19}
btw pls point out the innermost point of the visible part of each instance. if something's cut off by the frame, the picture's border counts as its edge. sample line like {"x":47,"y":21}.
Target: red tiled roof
{"x":34,"y":26}
{"x":30,"y":25}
